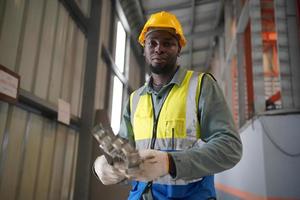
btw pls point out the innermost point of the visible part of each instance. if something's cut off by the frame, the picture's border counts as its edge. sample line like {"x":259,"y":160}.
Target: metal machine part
{"x":116,"y":148}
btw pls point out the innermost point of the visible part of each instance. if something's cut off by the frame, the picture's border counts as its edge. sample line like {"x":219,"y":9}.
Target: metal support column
{"x":84,"y":163}
{"x":243,"y":16}
{"x":241,"y":79}
{"x":257,"y":56}
{"x":283,"y":48}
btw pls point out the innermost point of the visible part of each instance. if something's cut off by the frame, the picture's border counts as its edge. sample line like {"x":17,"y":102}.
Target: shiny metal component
{"x":116,"y":149}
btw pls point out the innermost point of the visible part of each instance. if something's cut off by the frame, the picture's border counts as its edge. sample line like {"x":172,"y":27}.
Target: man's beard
{"x":162,"y":70}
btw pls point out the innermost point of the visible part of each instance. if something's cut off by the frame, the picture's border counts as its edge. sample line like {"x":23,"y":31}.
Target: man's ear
{"x":179,"y":50}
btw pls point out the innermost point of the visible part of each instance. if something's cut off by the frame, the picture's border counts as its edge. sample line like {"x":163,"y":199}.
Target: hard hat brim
{"x":172,"y":31}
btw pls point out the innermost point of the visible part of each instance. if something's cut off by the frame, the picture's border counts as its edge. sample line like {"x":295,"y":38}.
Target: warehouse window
{"x":117,"y":84}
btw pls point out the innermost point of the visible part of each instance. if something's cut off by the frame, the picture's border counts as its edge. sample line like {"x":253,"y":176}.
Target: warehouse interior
{"x":82,"y":57}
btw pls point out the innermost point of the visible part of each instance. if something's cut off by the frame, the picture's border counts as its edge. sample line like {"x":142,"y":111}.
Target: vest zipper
{"x":155,"y":123}
{"x":155,"y":120}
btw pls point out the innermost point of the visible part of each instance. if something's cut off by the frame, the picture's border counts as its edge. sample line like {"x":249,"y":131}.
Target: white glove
{"x":107,"y":173}
{"x":155,"y":164}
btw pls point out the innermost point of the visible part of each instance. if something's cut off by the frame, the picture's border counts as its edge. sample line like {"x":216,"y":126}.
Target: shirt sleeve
{"x":221,"y":146}
{"x":126,"y":130}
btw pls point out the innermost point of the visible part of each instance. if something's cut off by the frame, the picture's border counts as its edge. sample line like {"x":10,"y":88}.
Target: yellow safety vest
{"x":177,"y":127}
{"x":177,"y":119}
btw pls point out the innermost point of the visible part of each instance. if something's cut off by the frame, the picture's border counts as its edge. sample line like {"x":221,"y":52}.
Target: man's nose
{"x":159,"y":48}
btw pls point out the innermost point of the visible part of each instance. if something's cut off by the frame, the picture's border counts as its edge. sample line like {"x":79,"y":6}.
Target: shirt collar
{"x":177,"y":79}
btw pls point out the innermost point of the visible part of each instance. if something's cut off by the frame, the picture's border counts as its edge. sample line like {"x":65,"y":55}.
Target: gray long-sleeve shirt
{"x":222,"y":148}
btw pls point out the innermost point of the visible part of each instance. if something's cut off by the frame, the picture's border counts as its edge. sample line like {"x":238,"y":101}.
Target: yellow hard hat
{"x":163,"y":20}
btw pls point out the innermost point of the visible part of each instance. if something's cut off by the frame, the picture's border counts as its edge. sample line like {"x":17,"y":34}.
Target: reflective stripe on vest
{"x":177,"y":127}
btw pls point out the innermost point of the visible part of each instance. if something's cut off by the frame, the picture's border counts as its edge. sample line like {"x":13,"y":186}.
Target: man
{"x":179,"y":122}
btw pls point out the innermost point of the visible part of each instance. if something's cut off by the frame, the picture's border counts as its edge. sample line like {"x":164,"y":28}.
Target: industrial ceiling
{"x":202,"y":21}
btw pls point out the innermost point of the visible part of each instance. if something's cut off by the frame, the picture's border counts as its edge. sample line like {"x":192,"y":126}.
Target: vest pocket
{"x":142,"y":128}
{"x":175,"y":128}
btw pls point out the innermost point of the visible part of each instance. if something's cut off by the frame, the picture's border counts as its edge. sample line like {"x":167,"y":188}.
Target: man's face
{"x":161,"y":51}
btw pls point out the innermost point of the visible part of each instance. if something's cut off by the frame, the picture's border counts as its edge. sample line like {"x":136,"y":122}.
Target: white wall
{"x":271,"y":161}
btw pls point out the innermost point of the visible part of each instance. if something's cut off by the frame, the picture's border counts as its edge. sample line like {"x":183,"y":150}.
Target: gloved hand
{"x":155,"y":164}
{"x":107,"y":173}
